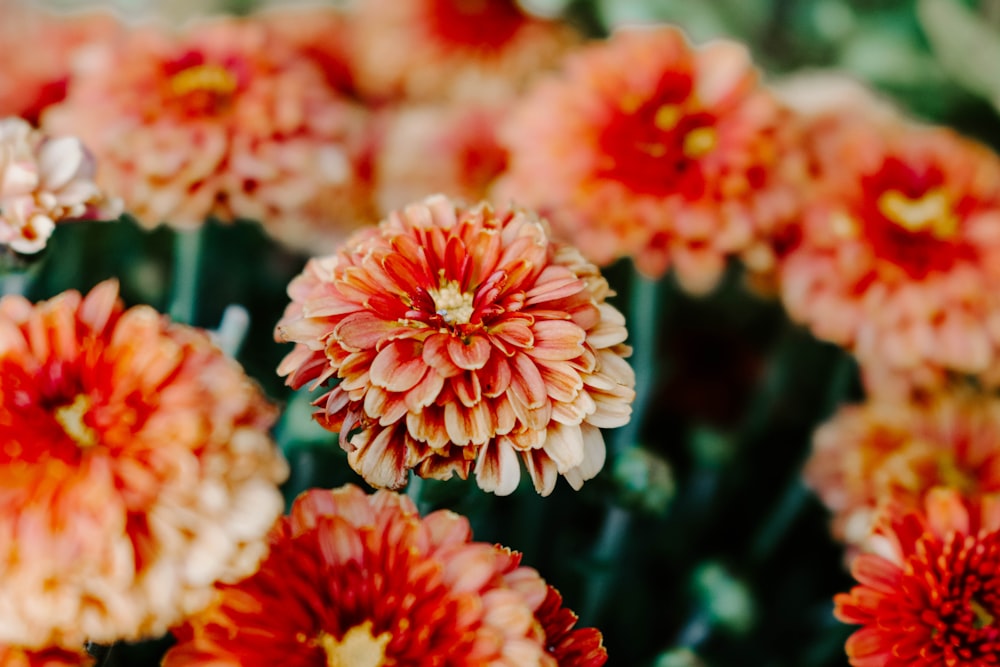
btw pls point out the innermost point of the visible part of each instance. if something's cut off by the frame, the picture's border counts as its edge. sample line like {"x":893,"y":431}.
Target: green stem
{"x":606,"y":553}
{"x":415,"y":491}
{"x":188,"y":245}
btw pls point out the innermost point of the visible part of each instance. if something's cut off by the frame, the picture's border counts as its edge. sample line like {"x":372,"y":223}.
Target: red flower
{"x":12,"y":656}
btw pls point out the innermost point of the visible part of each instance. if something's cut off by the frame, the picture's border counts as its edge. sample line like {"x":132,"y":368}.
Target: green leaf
{"x":966,"y":46}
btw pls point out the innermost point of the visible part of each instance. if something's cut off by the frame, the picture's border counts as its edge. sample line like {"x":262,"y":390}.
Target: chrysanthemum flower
{"x":44,"y":181}
{"x":12,"y":656}
{"x":650,"y":148}
{"x":451,"y":149}
{"x":429,"y":50}
{"x":898,"y":258}
{"x":931,"y":596}
{"x":897,"y":451}
{"x":362,"y":581}
{"x":135,"y":470}
{"x":225,"y":120}
{"x":461,"y":337}
{"x":320,"y":33}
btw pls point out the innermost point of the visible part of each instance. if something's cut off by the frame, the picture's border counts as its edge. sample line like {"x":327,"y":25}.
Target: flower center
{"x":358,"y":648}
{"x":70,"y":417}
{"x":930,"y":212}
{"x":212,"y":79}
{"x":451,"y":303}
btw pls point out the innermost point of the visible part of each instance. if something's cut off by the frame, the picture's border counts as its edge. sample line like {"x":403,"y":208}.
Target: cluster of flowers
{"x":456,"y":339}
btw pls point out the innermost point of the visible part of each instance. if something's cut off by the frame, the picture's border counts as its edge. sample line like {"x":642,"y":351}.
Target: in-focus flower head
{"x":364,"y":581}
{"x":136,"y":470}
{"x":461,"y":338}
{"x":893,"y":451}
{"x":931,"y":595}
{"x":12,"y":656}
{"x":648,"y":147}
{"x":898,"y":258}
{"x":225,"y":119}
{"x":44,"y":181}
{"x":426,"y":50}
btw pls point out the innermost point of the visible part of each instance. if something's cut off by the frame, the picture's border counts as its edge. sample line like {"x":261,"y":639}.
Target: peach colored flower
{"x":135,"y":471}
{"x":462,"y":337}
{"x":451,"y":149}
{"x":427,"y":50}
{"x":364,"y":581}
{"x":898,"y":258}
{"x":931,"y":596}
{"x":883,"y":451}
{"x":224,"y":120}
{"x":44,"y":181}
{"x":12,"y":656}
{"x":651,"y":148}
{"x":320,"y":33}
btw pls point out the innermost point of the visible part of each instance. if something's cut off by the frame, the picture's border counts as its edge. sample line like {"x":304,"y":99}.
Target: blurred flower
{"x":364,"y":581}
{"x":898,"y":257}
{"x":461,"y":337}
{"x":11,"y":656}
{"x":482,"y":50}
{"x":135,"y":470}
{"x":897,"y":451}
{"x":43,"y":181}
{"x":651,"y":148}
{"x":30,"y":83}
{"x":931,"y":596}
{"x":451,"y":149}
{"x":320,"y":33}
{"x":225,"y":120}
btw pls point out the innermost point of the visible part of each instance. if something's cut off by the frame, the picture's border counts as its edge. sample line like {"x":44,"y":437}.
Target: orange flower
{"x":11,"y":656}
{"x":932,"y":597}
{"x":461,"y":337}
{"x":650,"y":148}
{"x":426,"y":50}
{"x":897,"y":451}
{"x":898,"y":259}
{"x":320,"y":33}
{"x":135,"y":470}
{"x":226,"y":120}
{"x":362,"y":580}
{"x":44,"y":181}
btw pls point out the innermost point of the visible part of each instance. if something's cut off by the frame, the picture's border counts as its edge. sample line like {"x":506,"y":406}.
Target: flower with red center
{"x":425,"y":50}
{"x":650,"y":148}
{"x":354,"y":580}
{"x":897,"y":451}
{"x":461,"y":337}
{"x":12,"y":656}
{"x":225,"y":120}
{"x":44,"y":181}
{"x":136,"y":470}
{"x":897,"y":257}
{"x":931,"y":596}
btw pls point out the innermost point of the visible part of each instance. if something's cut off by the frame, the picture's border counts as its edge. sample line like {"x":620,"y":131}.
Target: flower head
{"x":135,"y":470}
{"x":364,"y":581}
{"x":651,"y":148}
{"x":932,"y":595}
{"x":44,"y":181}
{"x":461,"y":338}
{"x":890,"y":451}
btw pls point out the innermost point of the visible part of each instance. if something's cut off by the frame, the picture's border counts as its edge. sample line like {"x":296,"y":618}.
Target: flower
{"x":224,"y":120}
{"x":451,"y":149}
{"x":320,"y":33}
{"x":891,"y":451}
{"x":364,"y":581}
{"x":932,"y":595}
{"x":650,"y":148}
{"x":135,"y":470}
{"x":12,"y":656}
{"x":461,"y":337}
{"x":43,"y":181}
{"x":427,"y":50}
{"x":897,"y":259}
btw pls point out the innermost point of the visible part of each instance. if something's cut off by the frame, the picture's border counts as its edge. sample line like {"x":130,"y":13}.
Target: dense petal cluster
{"x":898,"y":257}
{"x":650,"y":148}
{"x":364,"y":581}
{"x":889,"y":451}
{"x":451,"y":49}
{"x":931,"y":596}
{"x":136,"y":470}
{"x":461,"y":338}
{"x":44,"y":181}
{"x":11,"y":656}
{"x":224,"y":120}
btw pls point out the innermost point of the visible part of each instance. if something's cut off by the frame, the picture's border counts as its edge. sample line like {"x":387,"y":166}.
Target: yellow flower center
{"x":358,"y":648}
{"x":984,"y":618}
{"x":931,"y":212}
{"x":203,"y":78}
{"x":451,"y":303}
{"x":700,"y":142}
{"x":70,"y":417}
{"x":666,"y":117}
